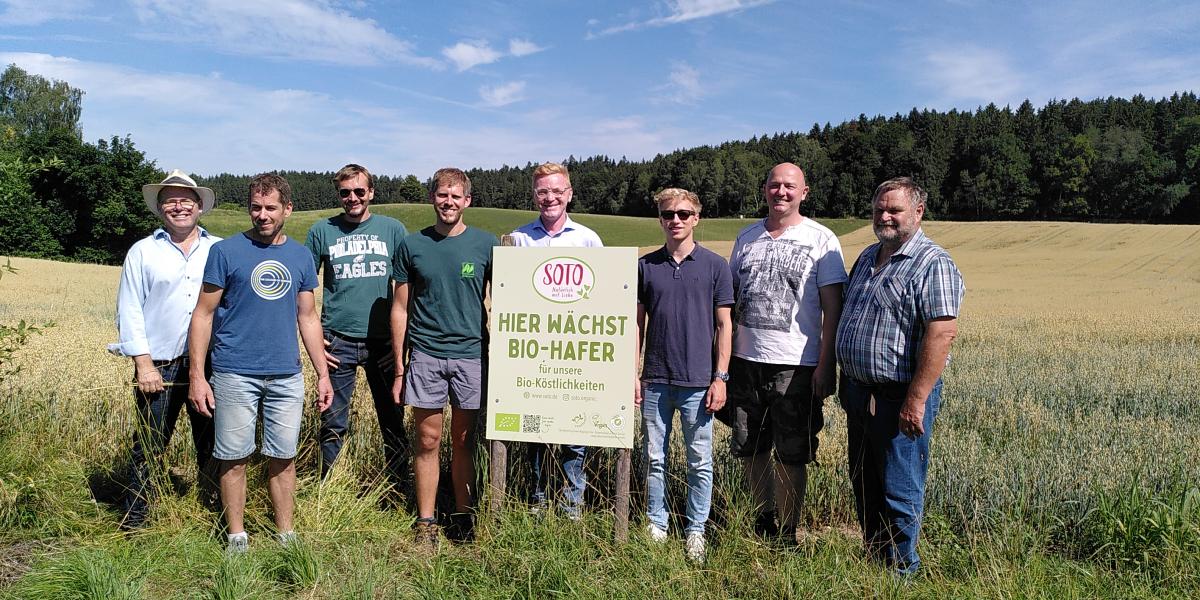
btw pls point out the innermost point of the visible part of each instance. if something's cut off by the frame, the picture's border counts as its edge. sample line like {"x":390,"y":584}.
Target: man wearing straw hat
{"x":160,"y":282}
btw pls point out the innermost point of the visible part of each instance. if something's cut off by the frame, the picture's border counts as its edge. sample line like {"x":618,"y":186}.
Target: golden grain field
{"x":1075,"y":370}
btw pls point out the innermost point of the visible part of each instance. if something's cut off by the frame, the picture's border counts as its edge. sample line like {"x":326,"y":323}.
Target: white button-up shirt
{"x":158,"y":291}
{"x":573,"y":235}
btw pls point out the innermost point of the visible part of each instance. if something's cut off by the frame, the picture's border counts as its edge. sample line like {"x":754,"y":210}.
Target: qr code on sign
{"x":531,"y":423}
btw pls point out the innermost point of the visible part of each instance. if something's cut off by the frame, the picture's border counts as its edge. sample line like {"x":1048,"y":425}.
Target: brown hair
{"x":266,"y":183}
{"x":449,"y":176}
{"x":351,"y":170}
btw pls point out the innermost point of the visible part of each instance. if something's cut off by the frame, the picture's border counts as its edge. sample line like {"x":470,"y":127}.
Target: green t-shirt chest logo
{"x":468,"y":270}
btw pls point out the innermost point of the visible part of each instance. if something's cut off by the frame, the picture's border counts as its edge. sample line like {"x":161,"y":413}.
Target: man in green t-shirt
{"x":437,"y":313}
{"x":355,"y":250}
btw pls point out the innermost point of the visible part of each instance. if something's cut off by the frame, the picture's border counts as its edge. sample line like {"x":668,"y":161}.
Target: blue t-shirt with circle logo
{"x":254,"y":328}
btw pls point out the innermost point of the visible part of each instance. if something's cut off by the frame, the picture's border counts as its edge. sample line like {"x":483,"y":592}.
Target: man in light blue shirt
{"x":160,"y":282}
{"x":552,"y":193}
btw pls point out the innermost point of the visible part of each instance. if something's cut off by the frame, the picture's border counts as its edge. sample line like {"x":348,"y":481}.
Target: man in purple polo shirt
{"x":681,"y":287}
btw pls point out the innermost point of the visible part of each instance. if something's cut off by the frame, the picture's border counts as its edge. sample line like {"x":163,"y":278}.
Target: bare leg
{"x":233,"y":493}
{"x":462,"y":465}
{"x":281,"y":483}
{"x":426,"y":467}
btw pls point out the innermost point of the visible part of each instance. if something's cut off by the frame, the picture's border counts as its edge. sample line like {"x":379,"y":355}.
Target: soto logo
{"x":564,"y":280}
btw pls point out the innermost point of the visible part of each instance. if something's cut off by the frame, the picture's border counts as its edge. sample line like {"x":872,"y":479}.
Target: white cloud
{"x":290,"y":29}
{"x":681,"y":11}
{"x":469,"y":53}
{"x":204,"y":123}
{"x":967,"y":73}
{"x":36,"y":12}
{"x":683,"y":85}
{"x":521,"y":47}
{"x":502,"y":95}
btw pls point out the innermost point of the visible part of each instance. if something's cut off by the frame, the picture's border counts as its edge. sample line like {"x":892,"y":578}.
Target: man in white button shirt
{"x":160,"y":282}
{"x":551,"y":194}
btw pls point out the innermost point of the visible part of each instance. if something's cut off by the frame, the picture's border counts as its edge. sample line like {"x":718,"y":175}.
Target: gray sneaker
{"x":238,"y":544}
{"x":695,"y":547}
{"x":287,"y":538}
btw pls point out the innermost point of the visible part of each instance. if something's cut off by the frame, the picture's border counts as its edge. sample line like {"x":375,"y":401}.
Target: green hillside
{"x":614,"y":230}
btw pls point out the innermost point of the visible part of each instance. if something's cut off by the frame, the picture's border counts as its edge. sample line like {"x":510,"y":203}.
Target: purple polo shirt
{"x":680,"y":299}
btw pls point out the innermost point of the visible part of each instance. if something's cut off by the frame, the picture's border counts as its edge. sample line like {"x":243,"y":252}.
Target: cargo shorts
{"x":772,"y":406}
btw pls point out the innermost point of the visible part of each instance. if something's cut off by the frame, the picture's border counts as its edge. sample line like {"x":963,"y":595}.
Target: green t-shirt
{"x":446,"y":276}
{"x":357,"y":279}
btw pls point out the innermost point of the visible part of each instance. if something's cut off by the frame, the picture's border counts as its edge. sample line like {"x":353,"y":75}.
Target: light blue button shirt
{"x":158,"y":291}
{"x":573,"y":235}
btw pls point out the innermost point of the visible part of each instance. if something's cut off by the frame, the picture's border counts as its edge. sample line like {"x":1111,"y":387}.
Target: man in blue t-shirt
{"x":258,"y":286}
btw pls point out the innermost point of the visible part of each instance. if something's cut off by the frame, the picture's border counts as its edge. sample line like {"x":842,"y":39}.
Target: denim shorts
{"x":429,"y":381}
{"x":235,"y":419}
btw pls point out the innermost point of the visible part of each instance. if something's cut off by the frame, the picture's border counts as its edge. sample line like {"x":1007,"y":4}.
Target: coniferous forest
{"x":1112,"y":159}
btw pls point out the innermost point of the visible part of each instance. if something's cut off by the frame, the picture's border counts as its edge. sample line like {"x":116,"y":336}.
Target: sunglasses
{"x":345,"y":192}
{"x":669,"y":215}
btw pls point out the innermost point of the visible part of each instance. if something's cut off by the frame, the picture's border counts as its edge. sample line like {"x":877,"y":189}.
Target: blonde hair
{"x":670,"y":194}
{"x":550,"y":168}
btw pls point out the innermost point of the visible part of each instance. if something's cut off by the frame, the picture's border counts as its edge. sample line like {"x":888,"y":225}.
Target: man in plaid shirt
{"x":898,"y":321}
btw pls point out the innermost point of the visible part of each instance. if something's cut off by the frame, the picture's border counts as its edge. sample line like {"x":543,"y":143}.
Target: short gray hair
{"x":916,"y":196}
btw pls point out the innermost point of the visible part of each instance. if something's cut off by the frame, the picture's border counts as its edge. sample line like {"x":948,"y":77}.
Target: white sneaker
{"x":287,"y":538}
{"x":696,"y":547}
{"x":656,"y":534}
{"x":238,"y":543}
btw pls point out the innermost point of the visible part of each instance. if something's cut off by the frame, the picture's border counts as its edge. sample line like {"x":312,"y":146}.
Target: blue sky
{"x":406,"y":87}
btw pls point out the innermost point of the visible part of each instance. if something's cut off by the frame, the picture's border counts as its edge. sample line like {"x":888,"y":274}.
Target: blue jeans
{"x":378,"y":363}
{"x":156,"y":418}
{"x":659,"y":403}
{"x":570,"y":460}
{"x":887,"y":469}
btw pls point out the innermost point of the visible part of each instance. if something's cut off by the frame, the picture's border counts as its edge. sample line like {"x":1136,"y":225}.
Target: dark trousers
{"x":156,"y":417}
{"x":887,"y":469}
{"x":377,"y":361}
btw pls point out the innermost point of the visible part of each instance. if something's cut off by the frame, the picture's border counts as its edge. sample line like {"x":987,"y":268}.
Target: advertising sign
{"x":561,"y":357}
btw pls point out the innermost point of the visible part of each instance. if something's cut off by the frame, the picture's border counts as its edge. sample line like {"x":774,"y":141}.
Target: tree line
{"x":1111,"y":159}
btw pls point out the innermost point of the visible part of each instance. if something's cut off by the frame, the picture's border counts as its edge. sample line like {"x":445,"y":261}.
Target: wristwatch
{"x":722,"y":375}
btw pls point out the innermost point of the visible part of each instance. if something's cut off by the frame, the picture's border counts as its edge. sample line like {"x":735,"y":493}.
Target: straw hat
{"x":178,"y":178}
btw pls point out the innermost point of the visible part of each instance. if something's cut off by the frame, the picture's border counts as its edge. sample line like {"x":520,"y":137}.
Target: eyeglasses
{"x":669,"y":215}
{"x":177,"y":203}
{"x":345,"y":192}
{"x":545,"y":193}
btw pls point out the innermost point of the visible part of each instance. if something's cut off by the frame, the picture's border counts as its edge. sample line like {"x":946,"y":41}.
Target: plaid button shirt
{"x":886,"y":309}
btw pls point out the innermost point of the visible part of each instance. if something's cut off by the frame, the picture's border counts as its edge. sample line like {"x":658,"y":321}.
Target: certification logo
{"x":564,"y":280}
{"x":271,"y":280}
{"x":508,"y":422}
